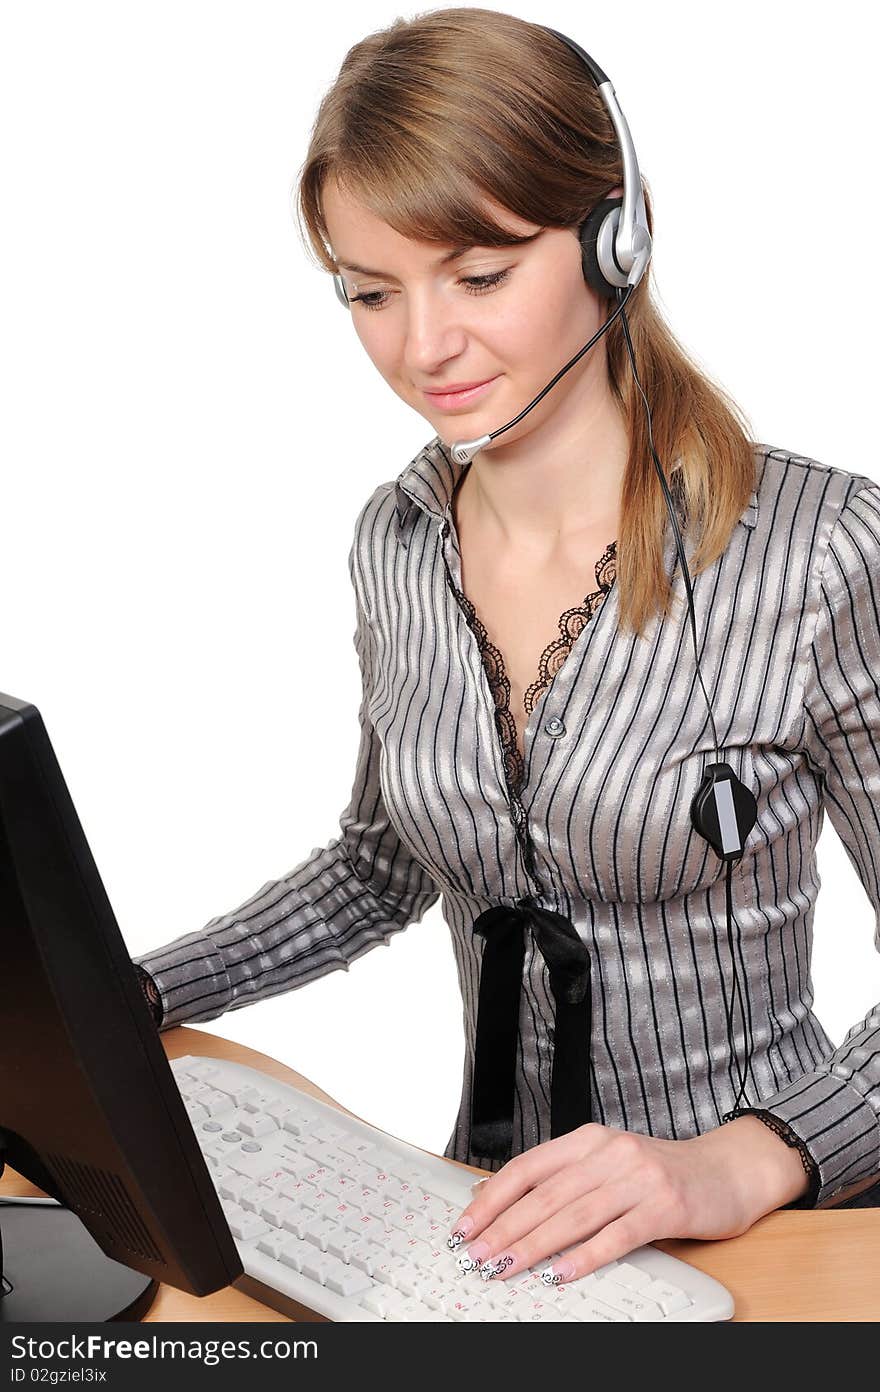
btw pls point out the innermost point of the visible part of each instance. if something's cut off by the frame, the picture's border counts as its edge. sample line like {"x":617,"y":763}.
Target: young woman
{"x":534,"y":729}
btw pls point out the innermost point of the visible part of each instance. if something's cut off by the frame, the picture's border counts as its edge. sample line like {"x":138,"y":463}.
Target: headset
{"x":615,"y":251}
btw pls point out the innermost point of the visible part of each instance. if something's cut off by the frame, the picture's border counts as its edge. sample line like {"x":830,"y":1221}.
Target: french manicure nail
{"x":475,"y":1254}
{"x":460,"y":1233}
{"x":467,"y":1262}
{"x":495,"y":1267}
{"x":560,"y":1271}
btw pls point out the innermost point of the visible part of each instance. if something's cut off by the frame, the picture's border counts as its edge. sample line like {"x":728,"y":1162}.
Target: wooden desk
{"x":793,"y":1266}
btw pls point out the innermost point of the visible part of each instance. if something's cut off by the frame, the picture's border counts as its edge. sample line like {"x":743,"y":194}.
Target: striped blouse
{"x":598,"y":825}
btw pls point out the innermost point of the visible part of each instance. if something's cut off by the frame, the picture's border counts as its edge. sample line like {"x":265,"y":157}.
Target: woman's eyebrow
{"x":443,"y":260}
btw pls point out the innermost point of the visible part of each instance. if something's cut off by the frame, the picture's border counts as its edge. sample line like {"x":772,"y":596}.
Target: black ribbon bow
{"x":503,"y":929}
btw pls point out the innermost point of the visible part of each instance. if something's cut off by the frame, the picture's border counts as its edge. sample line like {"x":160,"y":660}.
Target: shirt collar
{"x":429,"y":480}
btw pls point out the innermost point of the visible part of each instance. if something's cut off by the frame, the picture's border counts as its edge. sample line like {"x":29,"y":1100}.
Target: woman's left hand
{"x":619,"y":1190}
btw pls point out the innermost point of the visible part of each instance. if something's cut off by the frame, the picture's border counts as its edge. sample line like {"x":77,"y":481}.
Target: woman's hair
{"x":433,"y":114}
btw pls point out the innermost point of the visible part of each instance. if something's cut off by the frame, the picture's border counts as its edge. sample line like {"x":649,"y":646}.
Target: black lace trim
{"x":571,"y":623}
{"x":151,"y":991}
{"x":782,"y":1129}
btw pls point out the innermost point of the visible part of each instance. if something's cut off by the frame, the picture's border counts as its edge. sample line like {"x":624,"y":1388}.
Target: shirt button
{"x":554,"y":728}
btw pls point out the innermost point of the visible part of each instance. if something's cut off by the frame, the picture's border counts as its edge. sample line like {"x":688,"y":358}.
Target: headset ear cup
{"x":588,"y":235}
{"x":339,"y":287}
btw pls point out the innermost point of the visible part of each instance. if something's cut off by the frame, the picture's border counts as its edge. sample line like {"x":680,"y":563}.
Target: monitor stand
{"x":52,"y":1269}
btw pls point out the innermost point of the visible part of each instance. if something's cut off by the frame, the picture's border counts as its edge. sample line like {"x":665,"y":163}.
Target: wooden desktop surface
{"x":792,"y":1265}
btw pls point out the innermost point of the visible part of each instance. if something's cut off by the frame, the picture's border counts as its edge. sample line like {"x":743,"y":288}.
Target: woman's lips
{"x":447,"y":401}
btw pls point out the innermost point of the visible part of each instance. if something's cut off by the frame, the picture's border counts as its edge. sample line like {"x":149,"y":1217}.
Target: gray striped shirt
{"x":788,"y":624}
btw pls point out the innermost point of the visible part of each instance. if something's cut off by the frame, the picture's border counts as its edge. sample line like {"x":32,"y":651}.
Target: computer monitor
{"x":89,"y":1108}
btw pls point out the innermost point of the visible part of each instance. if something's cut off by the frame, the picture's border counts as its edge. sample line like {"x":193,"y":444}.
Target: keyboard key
{"x":212,"y":1149}
{"x":318,"y":1231}
{"x":316,"y":1175}
{"x":281,"y":1110}
{"x":194,"y":1092}
{"x":388,"y":1269}
{"x":364,"y":1257}
{"x":273,"y":1244}
{"x":377,"y":1301}
{"x":216,"y":1103}
{"x":358,"y":1146}
{"x":403,"y":1244}
{"x":255,"y":1195}
{"x":631,"y":1302}
{"x":437,"y":1294}
{"x":294,"y":1164}
{"x":364,"y":1223}
{"x":594,"y":1309}
{"x":625,"y":1274}
{"x":405,"y":1309}
{"x":232,"y":1185}
{"x":296,"y":1189}
{"x":297,"y":1220}
{"x":293,"y":1254}
{"x":317,"y":1266}
{"x":202,"y":1071}
{"x":254,"y":1164}
{"x":258,"y":1125}
{"x":460,"y":1308}
{"x":248,"y":1226}
{"x":237,"y":1091}
{"x":274,"y":1212}
{"x":342,"y":1243}
{"x":348,"y":1282}
{"x":411,"y":1281}
{"x":668,"y":1297}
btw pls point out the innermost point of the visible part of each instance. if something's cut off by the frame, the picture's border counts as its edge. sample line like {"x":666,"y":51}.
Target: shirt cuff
{"x":784,"y":1131}
{"x":151,"y":992}
{"x":839,"y":1130}
{"x":190,"y":978}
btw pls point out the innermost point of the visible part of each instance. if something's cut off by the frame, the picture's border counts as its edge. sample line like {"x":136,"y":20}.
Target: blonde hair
{"x":433,"y":113}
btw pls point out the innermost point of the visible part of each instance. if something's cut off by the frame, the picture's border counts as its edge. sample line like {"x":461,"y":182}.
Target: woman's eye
{"x":474,"y":285}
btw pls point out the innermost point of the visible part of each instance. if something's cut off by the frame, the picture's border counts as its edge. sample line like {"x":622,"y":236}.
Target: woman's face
{"x":425,"y":328}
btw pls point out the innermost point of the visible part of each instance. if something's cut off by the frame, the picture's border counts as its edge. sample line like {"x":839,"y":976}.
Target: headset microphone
{"x":463,"y":451}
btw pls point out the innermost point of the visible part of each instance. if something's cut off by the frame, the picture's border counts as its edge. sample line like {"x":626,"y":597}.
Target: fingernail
{"x":469,"y":1260}
{"x":460,"y":1233}
{"x":495,"y":1267}
{"x":467,"y":1263}
{"x":559,"y":1271}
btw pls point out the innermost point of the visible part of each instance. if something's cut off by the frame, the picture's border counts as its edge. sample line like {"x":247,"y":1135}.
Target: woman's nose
{"x":434,"y":330}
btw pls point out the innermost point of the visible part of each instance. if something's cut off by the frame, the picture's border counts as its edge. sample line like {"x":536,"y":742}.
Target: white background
{"x":184,"y":449}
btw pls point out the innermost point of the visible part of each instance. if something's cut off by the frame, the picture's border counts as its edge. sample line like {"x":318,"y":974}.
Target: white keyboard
{"x":338,"y":1219}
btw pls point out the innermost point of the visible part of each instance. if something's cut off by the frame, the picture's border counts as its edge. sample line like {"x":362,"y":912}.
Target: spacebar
{"x":302,"y":1289}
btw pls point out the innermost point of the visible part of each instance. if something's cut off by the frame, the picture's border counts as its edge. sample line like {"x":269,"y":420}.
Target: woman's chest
{"x":526,"y":611}
{"x":615,"y":746}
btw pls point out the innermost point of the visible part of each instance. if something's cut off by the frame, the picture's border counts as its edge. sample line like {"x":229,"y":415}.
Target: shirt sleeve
{"x":342,"y":900}
{"x":835,"y":1108}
